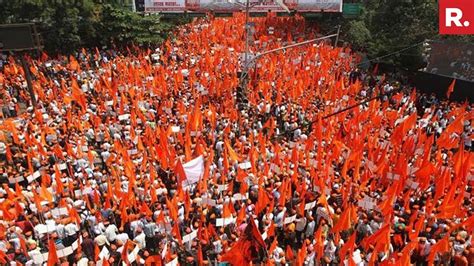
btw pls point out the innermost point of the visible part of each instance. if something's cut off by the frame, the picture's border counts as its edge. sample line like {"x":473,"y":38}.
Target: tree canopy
{"x":384,"y":26}
{"x":387,"y":26}
{"x":66,"y":26}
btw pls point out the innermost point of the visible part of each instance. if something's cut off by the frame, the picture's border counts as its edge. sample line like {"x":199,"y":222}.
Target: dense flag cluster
{"x":143,"y":157}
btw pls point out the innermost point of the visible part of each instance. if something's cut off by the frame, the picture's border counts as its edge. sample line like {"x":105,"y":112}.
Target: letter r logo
{"x":453,"y":15}
{"x":456,"y":16}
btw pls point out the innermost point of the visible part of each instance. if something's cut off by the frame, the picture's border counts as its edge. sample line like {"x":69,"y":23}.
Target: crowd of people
{"x":152,"y":157}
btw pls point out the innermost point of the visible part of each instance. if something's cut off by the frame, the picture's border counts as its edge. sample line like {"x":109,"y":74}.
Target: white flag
{"x":194,"y":170}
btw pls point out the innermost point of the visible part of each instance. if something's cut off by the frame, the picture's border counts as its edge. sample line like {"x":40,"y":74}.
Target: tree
{"x":63,"y":25}
{"x":387,"y":26}
{"x":66,"y":26}
{"x":126,"y":27}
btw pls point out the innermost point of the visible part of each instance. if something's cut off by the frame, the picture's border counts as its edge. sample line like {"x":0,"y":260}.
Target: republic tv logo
{"x":456,"y":16}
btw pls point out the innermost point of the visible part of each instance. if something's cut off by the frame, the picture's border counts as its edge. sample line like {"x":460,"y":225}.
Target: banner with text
{"x":226,"y":6}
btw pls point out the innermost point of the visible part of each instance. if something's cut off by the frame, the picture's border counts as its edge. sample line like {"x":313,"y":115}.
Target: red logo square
{"x":456,"y":17}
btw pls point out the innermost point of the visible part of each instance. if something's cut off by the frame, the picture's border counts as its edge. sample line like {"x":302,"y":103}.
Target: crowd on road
{"x":160,"y":157}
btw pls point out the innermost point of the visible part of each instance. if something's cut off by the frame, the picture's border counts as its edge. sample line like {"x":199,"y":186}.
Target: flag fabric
{"x":52,"y":253}
{"x":158,"y":136}
{"x":451,"y":88}
{"x":194,"y":170}
{"x":247,"y":248}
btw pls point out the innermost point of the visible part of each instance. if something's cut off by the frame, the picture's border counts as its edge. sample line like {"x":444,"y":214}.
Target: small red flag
{"x":451,"y":88}
{"x":124,"y":255}
{"x":52,"y":254}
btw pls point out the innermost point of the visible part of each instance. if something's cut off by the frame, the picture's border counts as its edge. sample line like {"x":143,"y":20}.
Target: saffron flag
{"x":247,"y":248}
{"x":451,"y":88}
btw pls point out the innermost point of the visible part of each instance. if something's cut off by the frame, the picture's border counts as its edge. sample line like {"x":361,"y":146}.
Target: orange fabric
{"x":52,"y":254}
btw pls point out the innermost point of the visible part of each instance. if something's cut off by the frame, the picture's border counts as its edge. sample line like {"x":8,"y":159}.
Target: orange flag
{"x":179,"y":172}
{"x":45,"y":194}
{"x":124,"y":255}
{"x":96,"y":252}
{"x":226,"y":213}
{"x":241,"y":253}
{"x":451,"y":88}
{"x":177,"y":233}
{"x":348,"y":247}
{"x":3,"y":257}
{"x":52,"y":254}
{"x":232,"y":154}
{"x":289,"y":253}
{"x":344,"y":222}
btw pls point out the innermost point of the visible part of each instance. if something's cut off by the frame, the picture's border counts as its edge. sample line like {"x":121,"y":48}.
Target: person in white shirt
{"x":300,"y":226}
{"x":111,"y":232}
{"x":140,"y":238}
{"x":329,"y":251}
{"x":310,"y":227}
{"x":3,"y":151}
{"x":279,"y":256}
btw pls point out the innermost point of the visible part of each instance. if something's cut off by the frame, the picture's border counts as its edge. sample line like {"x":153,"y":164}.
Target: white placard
{"x":78,"y":193}
{"x":419,"y":151}
{"x":175,"y":129}
{"x":412,"y":170}
{"x":58,"y":212}
{"x":245,"y":165}
{"x":104,"y":253}
{"x":124,"y":117}
{"x":274,"y":168}
{"x":133,"y":255}
{"x":132,"y":152}
{"x":221,"y":188}
{"x":14,"y":180}
{"x":310,"y":205}
{"x":367,"y":203}
{"x":225,"y":221}
{"x":412,"y":184}
{"x":207,"y":201}
{"x":38,"y":259}
{"x":290,"y":219}
{"x":64,"y":252}
{"x":190,"y":237}
{"x":75,"y":244}
{"x":33,"y":177}
{"x":393,"y":176}
{"x":371,"y":165}
{"x":239,"y":196}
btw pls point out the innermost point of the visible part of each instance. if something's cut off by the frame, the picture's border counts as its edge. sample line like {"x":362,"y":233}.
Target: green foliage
{"x":68,"y":25}
{"x":358,"y":33}
{"x":125,"y":27}
{"x":386,"y":26}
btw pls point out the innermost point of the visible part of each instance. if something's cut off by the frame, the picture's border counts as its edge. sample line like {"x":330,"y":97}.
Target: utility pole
{"x":337,"y":38}
{"x":26,"y":69}
{"x":247,"y":33}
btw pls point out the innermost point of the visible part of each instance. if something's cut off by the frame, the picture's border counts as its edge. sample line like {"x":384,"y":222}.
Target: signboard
{"x":18,"y":37}
{"x":451,"y":59}
{"x":227,"y":6}
{"x":351,"y":10}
